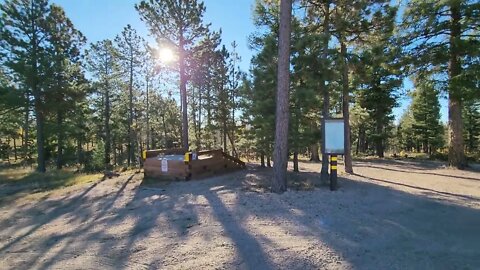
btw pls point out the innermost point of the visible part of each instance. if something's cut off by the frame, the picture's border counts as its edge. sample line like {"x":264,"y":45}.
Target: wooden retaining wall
{"x":208,"y":163}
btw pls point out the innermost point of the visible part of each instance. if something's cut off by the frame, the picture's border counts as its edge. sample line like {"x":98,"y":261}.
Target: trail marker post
{"x":333,"y":145}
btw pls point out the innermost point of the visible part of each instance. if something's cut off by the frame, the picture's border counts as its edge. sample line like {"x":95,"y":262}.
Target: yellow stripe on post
{"x":333,"y":167}
{"x":334,"y":158}
{"x":144,"y":154}
{"x":187,"y":157}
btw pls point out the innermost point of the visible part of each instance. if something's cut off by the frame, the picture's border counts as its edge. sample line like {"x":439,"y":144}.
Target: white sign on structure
{"x":164,"y":165}
{"x":333,"y":136}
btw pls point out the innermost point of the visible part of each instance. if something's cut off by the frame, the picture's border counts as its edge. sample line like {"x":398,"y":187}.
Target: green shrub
{"x":94,"y":161}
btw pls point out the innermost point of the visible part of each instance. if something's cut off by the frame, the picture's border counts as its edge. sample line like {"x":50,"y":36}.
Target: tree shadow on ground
{"x":418,"y":164}
{"x":21,"y":182}
{"x":415,"y":164}
{"x":363,"y":225}
{"x":415,"y":171}
{"x":50,"y":211}
{"x":459,"y":196}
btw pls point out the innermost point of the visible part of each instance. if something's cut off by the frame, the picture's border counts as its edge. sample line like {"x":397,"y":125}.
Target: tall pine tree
{"x":177,"y":23}
{"x":441,"y":37}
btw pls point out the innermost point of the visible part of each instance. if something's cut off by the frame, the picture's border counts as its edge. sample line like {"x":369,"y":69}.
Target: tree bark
{"x":131,"y":153}
{"x":296,"y":139}
{"x":324,"y":175}
{"x":224,"y":140}
{"x":262,"y":160}
{"x":165,"y":130}
{"x":39,"y":117}
{"x":60,"y":139}
{"x":183,"y":92}
{"x":40,"y":121}
{"x":209,"y":118}
{"x":380,"y":149}
{"x":26,"y":129}
{"x":115,"y":148}
{"x":295,"y":161}
{"x":232,"y":143}
{"x":148,"y":113}
{"x":315,"y":157}
{"x":154,"y":142}
{"x":358,"y":141}
{"x":456,"y":155}
{"x":107,"y":142}
{"x":346,"y":110}
{"x":79,"y":152}
{"x":15,"y":148}
{"x":279,"y":183}
{"x":362,"y":140}
{"x":199,"y":132}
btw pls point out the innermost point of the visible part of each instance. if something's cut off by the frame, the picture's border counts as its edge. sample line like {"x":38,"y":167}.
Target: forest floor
{"x":389,"y":215}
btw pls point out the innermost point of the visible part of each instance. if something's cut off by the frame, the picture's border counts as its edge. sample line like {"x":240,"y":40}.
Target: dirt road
{"x":390,"y":215}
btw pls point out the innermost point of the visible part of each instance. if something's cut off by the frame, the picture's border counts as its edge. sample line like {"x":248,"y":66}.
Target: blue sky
{"x":101,"y":19}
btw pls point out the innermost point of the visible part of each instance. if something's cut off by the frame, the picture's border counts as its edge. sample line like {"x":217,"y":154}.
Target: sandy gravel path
{"x":391,"y":215}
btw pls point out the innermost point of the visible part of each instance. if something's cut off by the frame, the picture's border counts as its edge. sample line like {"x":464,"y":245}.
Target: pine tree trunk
{"x":199,"y":133}
{"x":456,"y":155}
{"x":363,"y":140}
{"x":262,"y":160}
{"x":154,"y":142}
{"x":346,"y":110}
{"x":324,"y":175}
{"x":296,"y":140}
{"x":314,"y":153}
{"x":471,"y":140}
{"x":165,"y":134}
{"x":15,"y":148}
{"x":60,"y":140}
{"x":379,"y":141}
{"x":148,"y":114}
{"x":295,"y":161}
{"x":183,"y":93}
{"x":107,"y":142}
{"x":209,"y":119}
{"x":358,"y":142}
{"x":26,"y":130}
{"x":40,"y":121}
{"x":121,"y":151}
{"x":269,"y":165}
{"x":279,"y":183}
{"x":115,"y":148}
{"x":232,"y":143}
{"x":130,"y":158}
{"x":79,"y":152}
{"x":193,"y":115}
{"x":224,"y":140}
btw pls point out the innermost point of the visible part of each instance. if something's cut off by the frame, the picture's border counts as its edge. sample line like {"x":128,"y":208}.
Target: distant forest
{"x":67,"y":102}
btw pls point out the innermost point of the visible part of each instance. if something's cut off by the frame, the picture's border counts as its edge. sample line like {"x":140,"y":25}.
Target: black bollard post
{"x":333,"y":172}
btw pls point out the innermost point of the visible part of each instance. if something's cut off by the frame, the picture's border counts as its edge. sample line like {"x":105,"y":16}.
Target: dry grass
{"x":17,"y":180}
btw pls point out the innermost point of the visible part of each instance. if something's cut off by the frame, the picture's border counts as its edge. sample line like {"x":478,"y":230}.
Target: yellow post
{"x":333,"y":172}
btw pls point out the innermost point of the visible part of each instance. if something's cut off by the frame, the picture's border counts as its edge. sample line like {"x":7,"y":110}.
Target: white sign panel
{"x":164,"y":165}
{"x":334,"y":136}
